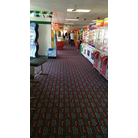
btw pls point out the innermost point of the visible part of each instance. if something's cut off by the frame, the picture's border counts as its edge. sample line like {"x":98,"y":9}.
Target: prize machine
{"x":85,"y":40}
{"x":98,"y":44}
{"x":60,"y":42}
{"x":92,"y":41}
{"x":76,"y":37}
{"x":88,"y":48}
{"x":104,"y":53}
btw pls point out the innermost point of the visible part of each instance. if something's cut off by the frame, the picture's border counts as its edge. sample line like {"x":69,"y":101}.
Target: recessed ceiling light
{"x":78,"y":10}
{"x":72,"y":19}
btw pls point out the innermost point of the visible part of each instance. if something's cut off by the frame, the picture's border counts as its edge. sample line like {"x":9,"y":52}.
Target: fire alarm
{"x":98,"y":18}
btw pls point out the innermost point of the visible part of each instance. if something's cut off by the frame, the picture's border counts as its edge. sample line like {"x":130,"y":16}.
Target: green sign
{"x":44,"y":14}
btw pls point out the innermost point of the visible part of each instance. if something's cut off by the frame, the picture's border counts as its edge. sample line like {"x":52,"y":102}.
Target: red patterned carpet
{"x":71,"y":101}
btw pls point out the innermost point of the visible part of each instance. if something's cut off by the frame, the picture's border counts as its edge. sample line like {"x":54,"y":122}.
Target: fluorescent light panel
{"x":72,"y":19}
{"x":78,"y":10}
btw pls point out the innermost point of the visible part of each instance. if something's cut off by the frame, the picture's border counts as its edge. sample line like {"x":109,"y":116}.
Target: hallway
{"x":71,"y":101}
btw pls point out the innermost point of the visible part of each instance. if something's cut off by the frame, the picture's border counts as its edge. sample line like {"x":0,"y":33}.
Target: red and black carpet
{"x":71,"y":101}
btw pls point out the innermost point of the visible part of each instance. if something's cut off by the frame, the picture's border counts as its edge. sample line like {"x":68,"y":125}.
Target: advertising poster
{"x":32,"y":39}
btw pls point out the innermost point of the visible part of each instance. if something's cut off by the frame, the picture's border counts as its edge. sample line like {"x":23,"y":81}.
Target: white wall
{"x":44,"y":38}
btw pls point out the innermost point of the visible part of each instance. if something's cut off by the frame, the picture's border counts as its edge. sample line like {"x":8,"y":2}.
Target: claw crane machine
{"x":85,"y":40}
{"x":104,"y":53}
{"x":92,"y":41}
{"x":98,"y":43}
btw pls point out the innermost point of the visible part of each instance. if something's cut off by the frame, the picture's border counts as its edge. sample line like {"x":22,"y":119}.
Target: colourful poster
{"x":32,"y":39}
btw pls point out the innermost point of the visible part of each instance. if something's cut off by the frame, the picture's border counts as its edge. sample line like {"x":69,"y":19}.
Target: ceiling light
{"x":72,"y":19}
{"x":78,"y":10}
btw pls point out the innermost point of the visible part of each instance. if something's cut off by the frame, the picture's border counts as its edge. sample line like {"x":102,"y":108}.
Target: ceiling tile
{"x":31,"y":1}
{"x":61,"y":0}
{"x":80,"y":14}
{"x":105,"y":2}
{"x":46,"y":4}
{"x":72,"y":5}
{"x":92,"y":1}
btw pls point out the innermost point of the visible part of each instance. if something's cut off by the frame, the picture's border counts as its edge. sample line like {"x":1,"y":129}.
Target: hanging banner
{"x":32,"y":39}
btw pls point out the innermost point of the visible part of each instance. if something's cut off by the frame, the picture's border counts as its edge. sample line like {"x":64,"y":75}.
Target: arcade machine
{"x":104,"y":53}
{"x":52,"y":52}
{"x":92,"y":41}
{"x":98,"y":44}
{"x":85,"y":40}
{"x":76,"y":37}
{"x":60,"y":43}
{"x":32,"y":39}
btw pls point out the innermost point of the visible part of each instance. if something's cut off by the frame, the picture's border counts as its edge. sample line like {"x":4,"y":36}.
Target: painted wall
{"x":44,"y":39}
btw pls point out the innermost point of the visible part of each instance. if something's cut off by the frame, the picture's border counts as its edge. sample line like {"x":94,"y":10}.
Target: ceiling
{"x":99,"y":8}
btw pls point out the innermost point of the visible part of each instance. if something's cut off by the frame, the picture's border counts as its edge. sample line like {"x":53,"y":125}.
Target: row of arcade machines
{"x":95,"y":45}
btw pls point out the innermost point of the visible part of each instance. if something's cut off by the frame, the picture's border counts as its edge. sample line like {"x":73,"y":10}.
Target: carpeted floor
{"x":71,"y":101}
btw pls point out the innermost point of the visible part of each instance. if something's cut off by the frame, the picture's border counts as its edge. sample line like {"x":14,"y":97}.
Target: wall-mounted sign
{"x":44,"y":14}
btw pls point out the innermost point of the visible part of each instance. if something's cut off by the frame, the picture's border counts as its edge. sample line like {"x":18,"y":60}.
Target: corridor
{"x":71,"y":101}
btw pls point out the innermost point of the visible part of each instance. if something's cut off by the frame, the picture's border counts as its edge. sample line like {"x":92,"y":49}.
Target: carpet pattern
{"x":71,"y":101}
